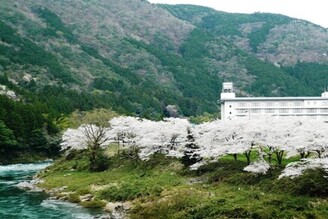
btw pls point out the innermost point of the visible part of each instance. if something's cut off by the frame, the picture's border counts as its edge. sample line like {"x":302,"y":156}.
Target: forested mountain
{"x":138,"y":58}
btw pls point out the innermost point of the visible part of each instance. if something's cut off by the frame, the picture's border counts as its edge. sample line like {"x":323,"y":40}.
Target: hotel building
{"x":233,"y":107}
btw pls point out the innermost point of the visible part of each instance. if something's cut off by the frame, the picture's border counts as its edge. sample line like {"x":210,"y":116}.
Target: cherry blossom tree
{"x":259,"y":166}
{"x":219,"y":138}
{"x":123,"y":131}
{"x":74,"y":139}
{"x":167,"y":136}
{"x":271,"y":137}
{"x":88,"y":137}
{"x":295,"y":169}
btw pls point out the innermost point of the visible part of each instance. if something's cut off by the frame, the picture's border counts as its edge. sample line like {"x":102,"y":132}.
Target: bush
{"x":175,"y":206}
{"x":93,"y":204}
{"x":130,"y":191}
{"x":312,"y":183}
{"x":73,"y":197}
{"x":98,"y":163}
{"x":131,"y":154}
{"x":123,"y":193}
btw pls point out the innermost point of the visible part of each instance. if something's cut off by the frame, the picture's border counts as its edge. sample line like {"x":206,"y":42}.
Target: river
{"x":19,"y":203}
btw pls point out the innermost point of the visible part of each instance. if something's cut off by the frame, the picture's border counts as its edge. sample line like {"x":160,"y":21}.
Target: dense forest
{"x":26,"y":129}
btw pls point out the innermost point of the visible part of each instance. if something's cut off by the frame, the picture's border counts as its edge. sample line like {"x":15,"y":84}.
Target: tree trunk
{"x":270,"y":158}
{"x":235,"y":156}
{"x":248,"y":156}
{"x":279,"y":155}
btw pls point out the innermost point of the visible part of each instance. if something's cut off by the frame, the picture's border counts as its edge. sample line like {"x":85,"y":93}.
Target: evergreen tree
{"x":7,"y":139}
{"x":190,"y":157}
{"x":38,"y":140}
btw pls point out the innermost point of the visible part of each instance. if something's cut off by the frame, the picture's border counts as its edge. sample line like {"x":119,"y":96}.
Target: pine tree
{"x":7,"y":138}
{"x":190,"y":157}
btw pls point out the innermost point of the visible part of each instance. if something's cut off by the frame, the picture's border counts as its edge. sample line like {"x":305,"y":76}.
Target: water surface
{"x":19,"y":203}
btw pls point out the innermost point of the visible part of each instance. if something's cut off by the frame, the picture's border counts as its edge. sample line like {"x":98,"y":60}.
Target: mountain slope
{"x":100,"y":51}
{"x":287,"y":43}
{"x":138,"y":58}
{"x":276,"y":38}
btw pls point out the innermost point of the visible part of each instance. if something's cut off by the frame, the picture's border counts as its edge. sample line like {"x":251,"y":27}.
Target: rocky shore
{"x":112,"y":210}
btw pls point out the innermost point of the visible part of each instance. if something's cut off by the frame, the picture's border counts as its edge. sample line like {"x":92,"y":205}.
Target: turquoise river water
{"x":20,"y":203}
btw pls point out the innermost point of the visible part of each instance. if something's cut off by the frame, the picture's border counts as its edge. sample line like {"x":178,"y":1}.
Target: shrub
{"x":312,"y":183}
{"x":123,"y":193}
{"x":101,"y":162}
{"x":176,"y":206}
{"x":130,"y":191}
{"x":73,"y":197}
{"x":93,"y":204}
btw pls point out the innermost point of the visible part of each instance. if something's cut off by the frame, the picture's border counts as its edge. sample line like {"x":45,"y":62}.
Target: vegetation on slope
{"x":318,"y":78}
{"x":139,"y":76}
{"x":162,"y":188}
{"x":27,"y":131}
{"x":19,"y":50}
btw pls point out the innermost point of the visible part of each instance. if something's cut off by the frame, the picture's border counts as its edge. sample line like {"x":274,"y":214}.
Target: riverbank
{"x":162,"y":188}
{"x":26,"y":158}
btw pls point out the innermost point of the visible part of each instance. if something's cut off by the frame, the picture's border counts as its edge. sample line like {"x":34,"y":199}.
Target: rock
{"x":25,"y":185}
{"x":118,"y":209}
{"x":104,"y":217}
{"x":27,"y":77}
{"x":29,"y":186}
{"x":57,"y":190}
{"x":85,"y":198}
{"x":11,"y":94}
{"x":172,"y":111}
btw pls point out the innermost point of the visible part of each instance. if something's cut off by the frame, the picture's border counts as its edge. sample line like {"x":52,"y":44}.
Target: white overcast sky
{"x":315,"y":11}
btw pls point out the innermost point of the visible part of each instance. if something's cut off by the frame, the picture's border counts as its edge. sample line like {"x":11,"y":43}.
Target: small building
{"x":233,"y":107}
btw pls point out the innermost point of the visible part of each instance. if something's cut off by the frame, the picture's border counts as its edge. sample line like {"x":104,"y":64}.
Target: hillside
{"x":137,"y":58}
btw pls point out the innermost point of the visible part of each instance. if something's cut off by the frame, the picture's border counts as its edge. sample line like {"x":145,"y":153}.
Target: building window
{"x":242,"y":111}
{"x":269,"y":103}
{"x":283,"y":110}
{"x":298,"y":103}
{"x":269,"y":110}
{"x":230,"y":106}
{"x":311,"y":110}
{"x":283,"y":103}
{"x":256,"y":104}
{"x":256,"y":111}
{"x":297,"y":110}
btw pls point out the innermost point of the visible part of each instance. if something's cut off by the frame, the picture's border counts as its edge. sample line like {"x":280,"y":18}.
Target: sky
{"x":314,"y":11}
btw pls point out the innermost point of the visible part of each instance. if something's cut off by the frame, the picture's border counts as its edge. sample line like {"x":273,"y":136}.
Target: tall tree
{"x":7,"y":140}
{"x":190,"y":155}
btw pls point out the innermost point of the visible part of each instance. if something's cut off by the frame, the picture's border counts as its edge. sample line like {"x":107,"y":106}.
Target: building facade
{"x":233,"y":107}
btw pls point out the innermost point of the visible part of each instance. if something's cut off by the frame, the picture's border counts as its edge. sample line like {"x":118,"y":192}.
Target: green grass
{"x":161,"y":188}
{"x":124,"y":176}
{"x":254,"y":157}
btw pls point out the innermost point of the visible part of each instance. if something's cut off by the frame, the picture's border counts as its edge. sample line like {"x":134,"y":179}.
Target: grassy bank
{"x":162,"y":188}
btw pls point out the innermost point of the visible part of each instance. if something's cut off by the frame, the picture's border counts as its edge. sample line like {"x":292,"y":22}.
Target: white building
{"x":233,"y":107}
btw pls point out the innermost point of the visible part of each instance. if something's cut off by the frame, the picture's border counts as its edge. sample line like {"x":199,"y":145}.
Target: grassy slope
{"x":161,"y":188}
